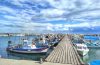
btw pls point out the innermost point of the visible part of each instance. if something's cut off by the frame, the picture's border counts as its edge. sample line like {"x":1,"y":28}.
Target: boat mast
{"x":9,"y":41}
{"x":43,"y":39}
{"x":98,"y":36}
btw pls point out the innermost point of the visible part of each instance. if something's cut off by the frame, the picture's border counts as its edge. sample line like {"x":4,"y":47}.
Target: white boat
{"x":27,"y":48}
{"x":82,"y":49}
{"x":23,"y":50}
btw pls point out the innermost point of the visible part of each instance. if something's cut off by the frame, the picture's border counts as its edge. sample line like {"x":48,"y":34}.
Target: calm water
{"x":16,"y":40}
{"x":94,"y":54}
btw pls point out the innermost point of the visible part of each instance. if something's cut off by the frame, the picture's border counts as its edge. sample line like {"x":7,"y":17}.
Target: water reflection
{"x":94,"y":54}
{"x":5,"y":54}
{"x":85,"y":58}
{"x":19,"y":56}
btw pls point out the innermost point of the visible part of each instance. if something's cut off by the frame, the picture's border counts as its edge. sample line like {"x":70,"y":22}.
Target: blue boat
{"x":27,"y":48}
{"x":96,"y":62}
{"x":91,"y":38}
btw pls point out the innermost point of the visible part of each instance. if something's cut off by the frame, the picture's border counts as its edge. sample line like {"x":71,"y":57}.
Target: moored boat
{"x":35,"y":50}
{"x":27,"y":48}
{"x":82,"y":49}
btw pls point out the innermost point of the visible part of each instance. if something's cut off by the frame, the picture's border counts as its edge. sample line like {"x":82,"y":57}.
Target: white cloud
{"x":71,"y":10}
{"x":84,"y":24}
{"x":52,"y":13}
{"x":74,"y":8}
{"x":5,"y":9}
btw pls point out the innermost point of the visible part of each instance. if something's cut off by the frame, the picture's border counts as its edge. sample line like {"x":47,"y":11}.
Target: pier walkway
{"x":24,"y":62}
{"x":65,"y":53}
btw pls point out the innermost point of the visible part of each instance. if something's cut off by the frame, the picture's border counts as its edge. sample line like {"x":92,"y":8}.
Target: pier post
{"x":41,"y":60}
{"x":0,"y":56}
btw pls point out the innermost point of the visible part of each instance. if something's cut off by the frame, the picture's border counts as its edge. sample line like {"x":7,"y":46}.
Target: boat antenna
{"x":9,"y":40}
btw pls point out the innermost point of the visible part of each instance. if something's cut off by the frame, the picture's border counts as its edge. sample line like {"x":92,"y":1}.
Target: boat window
{"x":79,"y":47}
{"x":84,"y":47}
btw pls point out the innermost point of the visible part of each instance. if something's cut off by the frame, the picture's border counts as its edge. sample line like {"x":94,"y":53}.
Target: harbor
{"x":62,"y":52}
{"x":49,"y":32}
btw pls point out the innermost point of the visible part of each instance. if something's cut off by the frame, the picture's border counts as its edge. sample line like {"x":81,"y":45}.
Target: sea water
{"x":17,"y":40}
{"x":94,"y":53}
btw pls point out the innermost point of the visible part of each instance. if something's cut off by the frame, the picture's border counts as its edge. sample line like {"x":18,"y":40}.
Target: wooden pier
{"x":65,"y":53}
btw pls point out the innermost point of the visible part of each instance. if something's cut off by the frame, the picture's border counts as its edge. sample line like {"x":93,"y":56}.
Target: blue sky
{"x":46,"y":16}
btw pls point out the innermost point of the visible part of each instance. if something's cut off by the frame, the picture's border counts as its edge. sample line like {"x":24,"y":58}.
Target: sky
{"x":49,"y":16}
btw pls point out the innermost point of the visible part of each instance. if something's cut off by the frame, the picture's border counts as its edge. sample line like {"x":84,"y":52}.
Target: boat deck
{"x":65,"y":53}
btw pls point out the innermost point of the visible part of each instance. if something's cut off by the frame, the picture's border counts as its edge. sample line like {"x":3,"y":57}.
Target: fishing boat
{"x":82,"y":49}
{"x":27,"y":48}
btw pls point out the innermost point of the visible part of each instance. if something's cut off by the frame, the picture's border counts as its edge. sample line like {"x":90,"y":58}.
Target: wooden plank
{"x":64,"y":53}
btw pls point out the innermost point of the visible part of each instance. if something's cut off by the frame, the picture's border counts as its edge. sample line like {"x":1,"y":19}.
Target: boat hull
{"x":28,"y":51}
{"x":83,"y":52}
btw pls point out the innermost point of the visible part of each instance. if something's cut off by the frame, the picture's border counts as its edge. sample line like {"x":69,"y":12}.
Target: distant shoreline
{"x":31,"y":34}
{"x":17,"y":34}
